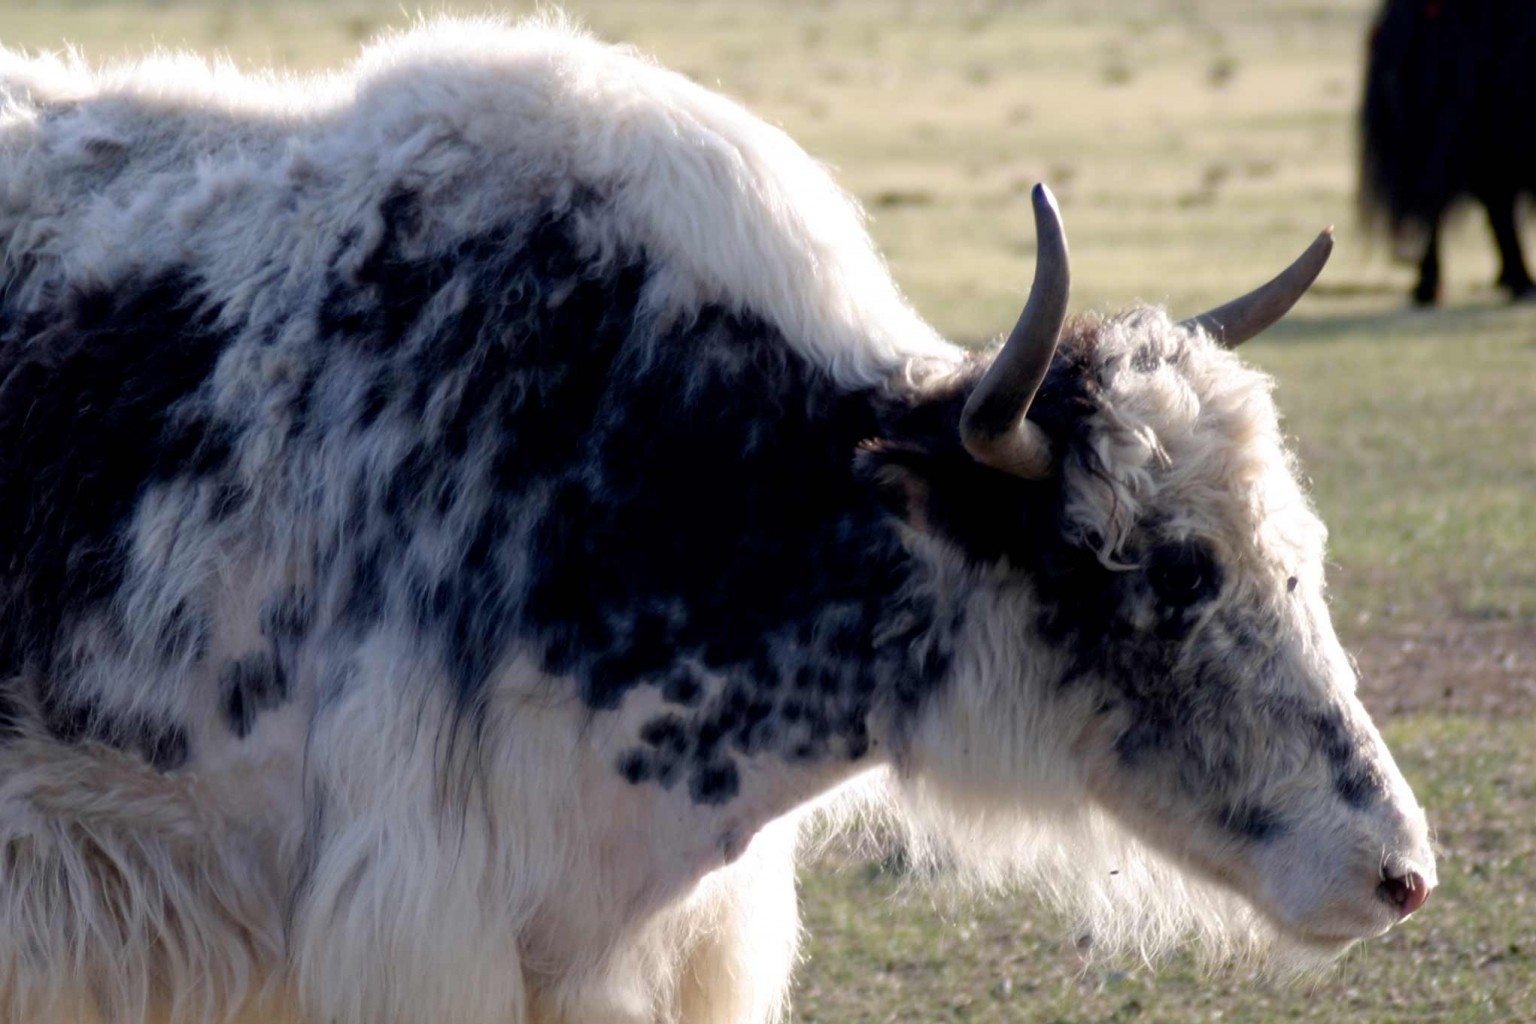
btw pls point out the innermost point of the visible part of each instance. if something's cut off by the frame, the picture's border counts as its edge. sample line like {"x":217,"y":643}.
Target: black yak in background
{"x":1450,"y":91}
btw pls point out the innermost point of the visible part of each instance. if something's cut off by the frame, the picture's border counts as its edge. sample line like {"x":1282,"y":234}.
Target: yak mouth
{"x":1327,"y":941}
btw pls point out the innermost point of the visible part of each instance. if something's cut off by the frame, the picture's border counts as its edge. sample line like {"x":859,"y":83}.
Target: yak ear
{"x":901,"y":476}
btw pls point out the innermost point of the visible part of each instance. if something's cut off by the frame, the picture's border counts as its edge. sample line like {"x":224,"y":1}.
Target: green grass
{"x":1196,"y":146}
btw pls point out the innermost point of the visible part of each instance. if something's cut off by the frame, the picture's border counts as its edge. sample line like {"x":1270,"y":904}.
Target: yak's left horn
{"x":994,"y":427}
{"x":1245,"y":317}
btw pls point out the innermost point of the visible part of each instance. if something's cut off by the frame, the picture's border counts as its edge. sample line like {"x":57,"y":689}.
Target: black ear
{"x":902,"y":478}
{"x":944,"y":492}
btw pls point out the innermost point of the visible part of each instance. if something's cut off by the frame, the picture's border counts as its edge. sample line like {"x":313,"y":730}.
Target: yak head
{"x":1146,"y":645}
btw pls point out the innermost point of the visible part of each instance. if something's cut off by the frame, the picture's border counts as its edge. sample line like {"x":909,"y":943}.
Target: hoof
{"x":1521,"y":288}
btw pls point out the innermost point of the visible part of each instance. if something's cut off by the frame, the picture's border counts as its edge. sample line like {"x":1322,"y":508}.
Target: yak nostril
{"x":1407,"y":893}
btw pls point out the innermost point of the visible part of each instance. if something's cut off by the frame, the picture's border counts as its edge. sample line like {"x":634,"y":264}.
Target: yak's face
{"x":1224,"y":726}
{"x":1145,"y":582}
{"x":1157,"y":602}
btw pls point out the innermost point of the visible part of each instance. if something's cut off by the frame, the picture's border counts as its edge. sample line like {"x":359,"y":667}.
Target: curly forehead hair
{"x":1171,"y":415}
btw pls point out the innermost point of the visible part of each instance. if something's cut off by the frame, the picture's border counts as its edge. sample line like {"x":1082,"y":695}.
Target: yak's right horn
{"x":994,"y":426}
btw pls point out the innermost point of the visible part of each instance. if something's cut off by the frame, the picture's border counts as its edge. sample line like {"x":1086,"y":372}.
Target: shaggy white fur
{"x":736,"y":212}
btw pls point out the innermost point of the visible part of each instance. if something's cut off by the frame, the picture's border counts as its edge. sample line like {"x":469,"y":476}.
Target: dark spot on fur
{"x":1183,"y":574}
{"x":857,"y":743}
{"x":713,"y":783}
{"x":366,"y":593}
{"x":185,"y":634}
{"x":10,"y":714}
{"x":635,"y":766}
{"x":373,"y":401}
{"x":681,"y":688}
{"x":226,"y":497}
{"x":286,"y":616}
{"x":667,"y":733}
{"x":166,"y":748}
{"x":1145,"y":359}
{"x":163,"y":745}
{"x":247,"y":687}
{"x":67,"y":722}
{"x":1359,"y":784}
{"x":707,"y":735}
{"x":807,"y":750}
{"x":1253,"y":822}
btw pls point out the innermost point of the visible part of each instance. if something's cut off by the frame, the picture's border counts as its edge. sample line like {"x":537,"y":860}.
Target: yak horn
{"x":993,"y":426}
{"x":1242,"y":318}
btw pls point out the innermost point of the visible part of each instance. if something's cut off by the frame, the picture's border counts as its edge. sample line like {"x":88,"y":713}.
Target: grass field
{"x":1196,"y":145}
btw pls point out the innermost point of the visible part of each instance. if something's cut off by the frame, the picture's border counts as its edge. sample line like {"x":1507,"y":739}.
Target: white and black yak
{"x":461,"y":517}
{"x":1450,"y":94}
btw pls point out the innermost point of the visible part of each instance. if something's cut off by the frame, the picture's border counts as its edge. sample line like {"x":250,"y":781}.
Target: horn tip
{"x":1042,"y":196}
{"x":1322,"y":247}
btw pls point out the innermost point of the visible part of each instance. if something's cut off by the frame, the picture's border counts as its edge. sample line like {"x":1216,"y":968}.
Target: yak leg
{"x":1513,"y":275}
{"x":404,"y":916}
{"x":1427,"y":291}
{"x":739,"y":971}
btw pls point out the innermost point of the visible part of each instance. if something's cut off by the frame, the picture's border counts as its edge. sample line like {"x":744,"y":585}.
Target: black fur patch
{"x":714,"y":783}
{"x":98,"y":401}
{"x":286,"y":619}
{"x":1182,"y":574}
{"x":10,"y":714}
{"x":1253,"y":822}
{"x":163,"y":745}
{"x":184,"y":634}
{"x":1358,"y":782}
{"x":697,"y":526}
{"x":247,"y":687}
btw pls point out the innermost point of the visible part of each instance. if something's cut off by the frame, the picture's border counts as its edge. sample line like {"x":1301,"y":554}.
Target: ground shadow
{"x":1385,"y":326}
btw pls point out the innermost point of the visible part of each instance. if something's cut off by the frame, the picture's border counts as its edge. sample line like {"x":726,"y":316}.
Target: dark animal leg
{"x":1427,"y":291}
{"x":1512,"y":273}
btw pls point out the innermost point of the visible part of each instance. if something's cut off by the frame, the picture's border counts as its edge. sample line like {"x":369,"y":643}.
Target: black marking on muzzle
{"x":1254,"y":822}
{"x":1356,"y":780}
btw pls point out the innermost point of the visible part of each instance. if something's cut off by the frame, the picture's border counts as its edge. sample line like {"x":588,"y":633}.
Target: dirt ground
{"x":1479,"y":668}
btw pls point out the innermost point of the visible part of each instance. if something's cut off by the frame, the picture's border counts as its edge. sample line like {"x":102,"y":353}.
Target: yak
{"x":464,"y":517}
{"x":1449,"y":89}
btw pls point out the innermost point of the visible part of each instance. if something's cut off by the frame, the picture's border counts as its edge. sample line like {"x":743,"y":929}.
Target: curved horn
{"x":993,"y":427}
{"x":1244,"y":317}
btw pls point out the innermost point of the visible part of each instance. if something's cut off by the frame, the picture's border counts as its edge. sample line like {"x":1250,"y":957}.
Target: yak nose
{"x":1403,"y":888}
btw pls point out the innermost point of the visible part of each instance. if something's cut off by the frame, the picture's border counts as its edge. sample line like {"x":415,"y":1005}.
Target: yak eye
{"x":1181,"y":574}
